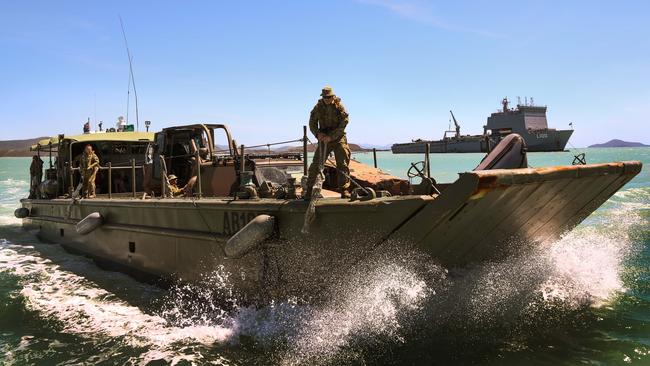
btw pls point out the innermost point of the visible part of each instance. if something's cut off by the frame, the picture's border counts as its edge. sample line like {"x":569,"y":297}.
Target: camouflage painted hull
{"x":484,"y":215}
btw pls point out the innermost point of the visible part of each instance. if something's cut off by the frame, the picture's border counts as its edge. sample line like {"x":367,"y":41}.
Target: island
{"x":619,"y":143}
{"x":18,"y":147}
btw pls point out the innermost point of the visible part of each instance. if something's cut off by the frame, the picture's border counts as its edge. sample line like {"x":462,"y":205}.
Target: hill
{"x":312,"y":148}
{"x":619,"y":143}
{"x":21,"y":147}
{"x":18,"y":147}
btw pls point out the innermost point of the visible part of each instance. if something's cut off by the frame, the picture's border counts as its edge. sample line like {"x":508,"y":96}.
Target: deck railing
{"x":133,"y":166}
{"x":109,"y":167}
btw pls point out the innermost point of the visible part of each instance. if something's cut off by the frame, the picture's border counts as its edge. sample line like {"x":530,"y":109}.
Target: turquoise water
{"x":583,"y":300}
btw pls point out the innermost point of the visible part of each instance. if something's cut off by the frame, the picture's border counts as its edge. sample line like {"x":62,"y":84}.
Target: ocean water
{"x":582,"y":300}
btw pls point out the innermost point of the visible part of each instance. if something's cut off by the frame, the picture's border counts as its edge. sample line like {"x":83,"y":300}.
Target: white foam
{"x":582,"y":268}
{"x":371,"y":304}
{"x":84,"y":309}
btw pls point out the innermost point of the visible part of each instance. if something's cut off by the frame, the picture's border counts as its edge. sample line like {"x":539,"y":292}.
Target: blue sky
{"x":398,"y":65}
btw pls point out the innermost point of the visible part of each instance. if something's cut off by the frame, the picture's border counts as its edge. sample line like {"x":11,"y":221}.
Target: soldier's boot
{"x":345,"y":194}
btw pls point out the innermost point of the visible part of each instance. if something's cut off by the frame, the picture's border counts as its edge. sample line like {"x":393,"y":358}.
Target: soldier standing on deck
{"x":89,"y":167}
{"x":327,"y":122}
{"x":36,"y":176}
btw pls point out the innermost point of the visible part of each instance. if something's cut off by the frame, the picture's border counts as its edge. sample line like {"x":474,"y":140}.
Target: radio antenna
{"x":131,"y":80}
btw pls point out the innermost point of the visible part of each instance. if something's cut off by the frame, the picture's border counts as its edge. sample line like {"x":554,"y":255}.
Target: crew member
{"x":36,"y":176}
{"x":120,"y":126}
{"x":87,"y":127}
{"x":327,"y":122}
{"x":173,"y":186}
{"x":89,"y":166}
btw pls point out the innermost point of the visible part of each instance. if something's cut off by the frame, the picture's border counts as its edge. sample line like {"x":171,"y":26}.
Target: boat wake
{"x":393,"y":303}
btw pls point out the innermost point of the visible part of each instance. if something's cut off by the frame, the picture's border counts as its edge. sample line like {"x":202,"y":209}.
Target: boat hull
{"x":483,"y":216}
{"x":536,"y":141}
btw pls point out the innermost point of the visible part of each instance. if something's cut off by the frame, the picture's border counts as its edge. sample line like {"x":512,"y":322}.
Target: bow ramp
{"x":492,"y":213}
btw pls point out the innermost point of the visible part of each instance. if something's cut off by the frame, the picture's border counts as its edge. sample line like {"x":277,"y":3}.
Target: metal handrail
{"x":110,"y":169}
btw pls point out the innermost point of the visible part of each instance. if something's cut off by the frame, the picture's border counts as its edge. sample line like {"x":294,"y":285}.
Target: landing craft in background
{"x":527,"y":120}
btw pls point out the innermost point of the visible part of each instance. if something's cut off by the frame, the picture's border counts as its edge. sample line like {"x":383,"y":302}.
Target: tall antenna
{"x":131,"y":80}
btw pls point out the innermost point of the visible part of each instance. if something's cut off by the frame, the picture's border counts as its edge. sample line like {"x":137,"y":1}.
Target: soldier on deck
{"x":327,"y":122}
{"x":89,"y":167}
{"x":174,"y":189}
{"x":36,"y":176}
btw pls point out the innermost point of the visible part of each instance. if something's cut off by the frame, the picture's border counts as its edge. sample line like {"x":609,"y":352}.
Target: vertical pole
{"x":50,"y":154}
{"x":427,"y":161}
{"x":133,"y":176}
{"x":304,"y":150}
{"x":243,"y":161}
{"x":163,"y":180}
{"x":71,"y":188}
{"x":110,"y":180}
{"x":374,"y":156}
{"x":198,"y":172}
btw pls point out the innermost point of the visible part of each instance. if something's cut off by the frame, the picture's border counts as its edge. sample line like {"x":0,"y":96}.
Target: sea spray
{"x":524,"y":309}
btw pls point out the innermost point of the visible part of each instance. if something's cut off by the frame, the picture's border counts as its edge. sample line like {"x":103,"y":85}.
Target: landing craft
{"x":242,"y":212}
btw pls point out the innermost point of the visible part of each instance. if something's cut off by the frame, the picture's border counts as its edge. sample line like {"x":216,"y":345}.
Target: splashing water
{"x":81,"y":307}
{"x":370,"y":305}
{"x":394,"y":307}
{"x":378,"y":300}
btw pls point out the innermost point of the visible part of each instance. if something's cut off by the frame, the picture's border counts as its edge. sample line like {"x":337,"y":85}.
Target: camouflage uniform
{"x":174,"y":189}
{"x":89,"y":167}
{"x":36,"y":176}
{"x":331,"y":120}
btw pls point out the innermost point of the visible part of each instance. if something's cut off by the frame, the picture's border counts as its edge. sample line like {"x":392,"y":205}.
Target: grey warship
{"x":528,"y":120}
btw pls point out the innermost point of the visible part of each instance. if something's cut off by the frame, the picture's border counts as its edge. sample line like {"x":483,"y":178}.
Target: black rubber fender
{"x":21,"y":212}
{"x":90,"y":223}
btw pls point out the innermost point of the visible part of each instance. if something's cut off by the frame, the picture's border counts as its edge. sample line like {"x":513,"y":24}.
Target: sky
{"x":258,"y":66}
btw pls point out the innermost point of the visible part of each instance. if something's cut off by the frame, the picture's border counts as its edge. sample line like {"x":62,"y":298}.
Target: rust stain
{"x":480,"y":193}
{"x":489,"y":181}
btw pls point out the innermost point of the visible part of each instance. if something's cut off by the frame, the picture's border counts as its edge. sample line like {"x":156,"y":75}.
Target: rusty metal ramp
{"x":490,"y":214}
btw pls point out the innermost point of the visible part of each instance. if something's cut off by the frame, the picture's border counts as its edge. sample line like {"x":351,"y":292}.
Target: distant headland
{"x":619,"y":143}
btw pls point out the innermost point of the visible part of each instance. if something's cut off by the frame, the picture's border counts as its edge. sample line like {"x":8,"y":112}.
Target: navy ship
{"x":527,"y":120}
